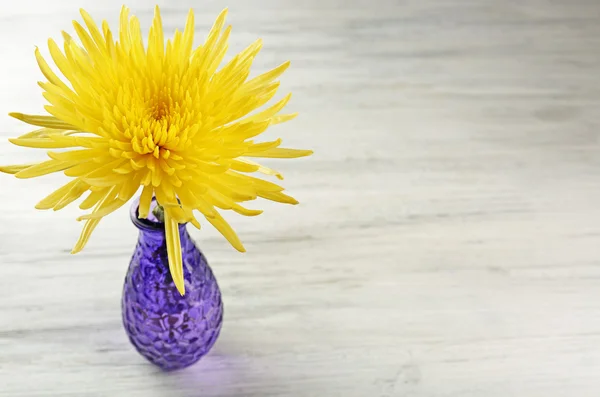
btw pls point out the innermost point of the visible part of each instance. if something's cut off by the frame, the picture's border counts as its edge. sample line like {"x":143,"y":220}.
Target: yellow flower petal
{"x":38,"y":143}
{"x":281,"y":153}
{"x":188,"y":36}
{"x":261,"y":168}
{"x":226,"y":203}
{"x":47,"y":71}
{"x":270,"y":112}
{"x":14,"y":169}
{"x":156,"y":40}
{"x":282,"y":118}
{"x":226,"y":230}
{"x":91,"y":224}
{"x":279,"y":197}
{"x":129,"y":188}
{"x":174,"y":252}
{"x":106,"y":209}
{"x":266,"y":78}
{"x":93,"y":198}
{"x":93,"y":29}
{"x":53,"y":198}
{"x":44,"y":168}
{"x":41,"y":133}
{"x":43,"y":121}
{"x":73,"y":194}
{"x":77,"y":155}
{"x":145,"y":201}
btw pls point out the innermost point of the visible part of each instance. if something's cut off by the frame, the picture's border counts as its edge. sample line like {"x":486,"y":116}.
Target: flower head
{"x":163,"y":118}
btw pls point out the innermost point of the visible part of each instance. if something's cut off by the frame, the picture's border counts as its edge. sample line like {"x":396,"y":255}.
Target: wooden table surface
{"x":448,"y":238}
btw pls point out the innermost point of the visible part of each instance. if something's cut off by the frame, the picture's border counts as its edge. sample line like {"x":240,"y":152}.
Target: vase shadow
{"x":220,"y":373}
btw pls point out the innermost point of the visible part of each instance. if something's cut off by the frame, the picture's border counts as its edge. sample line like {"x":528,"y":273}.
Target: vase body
{"x":170,"y":330}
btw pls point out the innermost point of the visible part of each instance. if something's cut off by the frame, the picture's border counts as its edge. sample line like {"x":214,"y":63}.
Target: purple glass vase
{"x":170,"y":330}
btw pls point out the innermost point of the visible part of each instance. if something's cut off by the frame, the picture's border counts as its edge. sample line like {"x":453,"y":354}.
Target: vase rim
{"x":148,"y":224}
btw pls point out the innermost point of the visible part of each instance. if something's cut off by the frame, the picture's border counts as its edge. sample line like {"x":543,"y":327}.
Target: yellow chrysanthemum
{"x":162,"y":118}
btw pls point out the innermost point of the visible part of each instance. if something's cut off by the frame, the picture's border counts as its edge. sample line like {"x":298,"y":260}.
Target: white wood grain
{"x":448,"y":241}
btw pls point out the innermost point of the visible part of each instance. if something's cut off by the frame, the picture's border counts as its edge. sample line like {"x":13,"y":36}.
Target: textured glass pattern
{"x":170,"y":330}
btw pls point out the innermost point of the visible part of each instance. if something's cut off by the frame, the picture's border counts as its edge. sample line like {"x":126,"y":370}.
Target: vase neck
{"x":151,"y":229}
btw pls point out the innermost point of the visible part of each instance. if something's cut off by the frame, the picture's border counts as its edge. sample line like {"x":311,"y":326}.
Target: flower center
{"x":160,"y":110}
{"x":161,"y":106}
{"x":160,"y":118}
{"x":157,"y":131}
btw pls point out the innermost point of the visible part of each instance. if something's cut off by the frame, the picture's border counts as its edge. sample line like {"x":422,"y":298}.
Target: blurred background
{"x":448,"y":237}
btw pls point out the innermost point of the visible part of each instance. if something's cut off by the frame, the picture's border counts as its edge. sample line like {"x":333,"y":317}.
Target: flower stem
{"x":159,"y":213}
